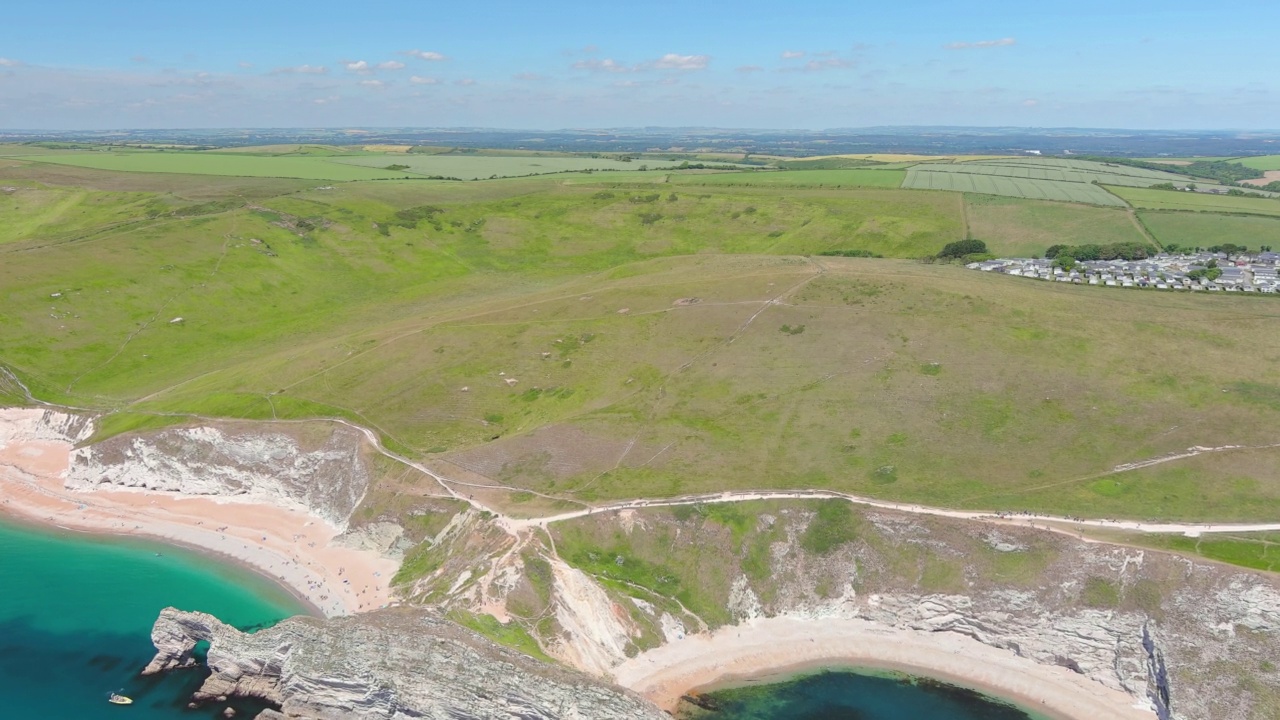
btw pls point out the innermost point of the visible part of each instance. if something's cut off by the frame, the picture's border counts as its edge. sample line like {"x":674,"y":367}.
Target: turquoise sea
{"x":857,"y":695}
{"x":75,"y":622}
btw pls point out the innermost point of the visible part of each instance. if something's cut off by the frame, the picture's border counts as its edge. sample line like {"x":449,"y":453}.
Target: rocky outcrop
{"x":397,"y":663}
{"x":319,"y":467}
{"x":38,"y":424}
{"x":1105,"y":646}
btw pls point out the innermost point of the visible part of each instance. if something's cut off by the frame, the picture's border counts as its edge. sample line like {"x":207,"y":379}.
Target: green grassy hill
{"x":1197,"y":202}
{"x":590,"y":340}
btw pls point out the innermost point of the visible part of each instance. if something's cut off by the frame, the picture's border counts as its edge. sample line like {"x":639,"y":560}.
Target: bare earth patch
{"x":1270,"y":177}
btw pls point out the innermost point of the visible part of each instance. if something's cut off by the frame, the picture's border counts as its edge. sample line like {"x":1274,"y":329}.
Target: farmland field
{"x":306,"y":168}
{"x":1068,"y":171}
{"x":476,"y":167}
{"x":1044,"y":179}
{"x":304,"y":150}
{"x":1206,"y":229}
{"x":800,"y":178}
{"x":1167,"y":200}
{"x":923,"y":177}
{"x":1015,"y":227}
{"x":1264,"y":162}
{"x":320,"y":162}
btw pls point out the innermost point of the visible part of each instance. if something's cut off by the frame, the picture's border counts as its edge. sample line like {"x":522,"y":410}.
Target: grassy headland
{"x":589,"y":337}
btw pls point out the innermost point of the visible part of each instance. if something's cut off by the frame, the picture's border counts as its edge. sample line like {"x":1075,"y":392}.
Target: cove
{"x":851,"y":694}
{"x":76,"y":613}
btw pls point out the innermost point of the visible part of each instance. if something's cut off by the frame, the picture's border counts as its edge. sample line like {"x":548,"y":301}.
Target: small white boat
{"x":118,"y":699}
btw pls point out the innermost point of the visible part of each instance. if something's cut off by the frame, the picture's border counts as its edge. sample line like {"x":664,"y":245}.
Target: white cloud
{"x":10,"y":62}
{"x":326,"y":100}
{"x":428,"y":55}
{"x":419,"y":80}
{"x":672,"y":61}
{"x":792,"y":54}
{"x":750,"y":69}
{"x":1030,"y":102}
{"x":1002,"y":42}
{"x":140,"y":59}
{"x":301,"y":70}
{"x":359,"y":67}
{"x":605,"y":65}
{"x":465,"y":82}
{"x":391,"y":65}
{"x":245,"y":65}
{"x":826,"y":63}
{"x":373,"y":83}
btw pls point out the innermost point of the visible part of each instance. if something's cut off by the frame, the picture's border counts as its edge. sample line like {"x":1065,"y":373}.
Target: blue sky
{"x":74,"y":64}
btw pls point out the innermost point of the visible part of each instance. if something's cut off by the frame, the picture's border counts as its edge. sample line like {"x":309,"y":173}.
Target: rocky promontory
{"x":395,"y":663}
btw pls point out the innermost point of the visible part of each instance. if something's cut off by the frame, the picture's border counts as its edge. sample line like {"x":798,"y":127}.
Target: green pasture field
{"x":179,"y":189}
{"x":1148,"y":199}
{"x":478,"y":167}
{"x":922,"y":177}
{"x":1042,"y":179}
{"x":825,"y":163}
{"x":1014,"y":227}
{"x":840,"y":178}
{"x":308,"y":168}
{"x":33,"y":210}
{"x":1189,"y":159}
{"x":16,"y":150}
{"x":1190,"y":230}
{"x":643,"y":341}
{"x":308,"y":150}
{"x":492,"y":233}
{"x":1259,"y":551}
{"x":1064,"y":171}
{"x":1263,"y":162}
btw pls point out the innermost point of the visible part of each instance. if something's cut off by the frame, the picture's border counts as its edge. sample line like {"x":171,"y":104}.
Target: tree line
{"x":1227,"y":173}
{"x":1113,"y":251}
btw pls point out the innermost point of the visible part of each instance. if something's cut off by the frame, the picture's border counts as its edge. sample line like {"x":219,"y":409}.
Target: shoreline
{"x":789,"y":673}
{"x":768,"y":650}
{"x":287,"y":546}
{"x":22,"y":521}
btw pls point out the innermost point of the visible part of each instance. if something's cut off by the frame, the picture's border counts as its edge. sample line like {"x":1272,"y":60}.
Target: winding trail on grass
{"x":1049,"y":522}
{"x":1058,"y":523}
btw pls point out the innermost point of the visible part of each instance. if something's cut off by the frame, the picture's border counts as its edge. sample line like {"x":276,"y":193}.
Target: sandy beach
{"x":775,"y":647}
{"x":292,"y":547}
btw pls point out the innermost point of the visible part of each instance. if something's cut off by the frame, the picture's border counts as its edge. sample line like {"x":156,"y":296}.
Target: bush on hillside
{"x":832,"y":526}
{"x":960,"y":248}
{"x":848,"y":253}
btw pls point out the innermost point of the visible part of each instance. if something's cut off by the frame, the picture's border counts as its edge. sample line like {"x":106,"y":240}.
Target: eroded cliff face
{"x":319,"y":467}
{"x":41,"y":424}
{"x":397,"y":663}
